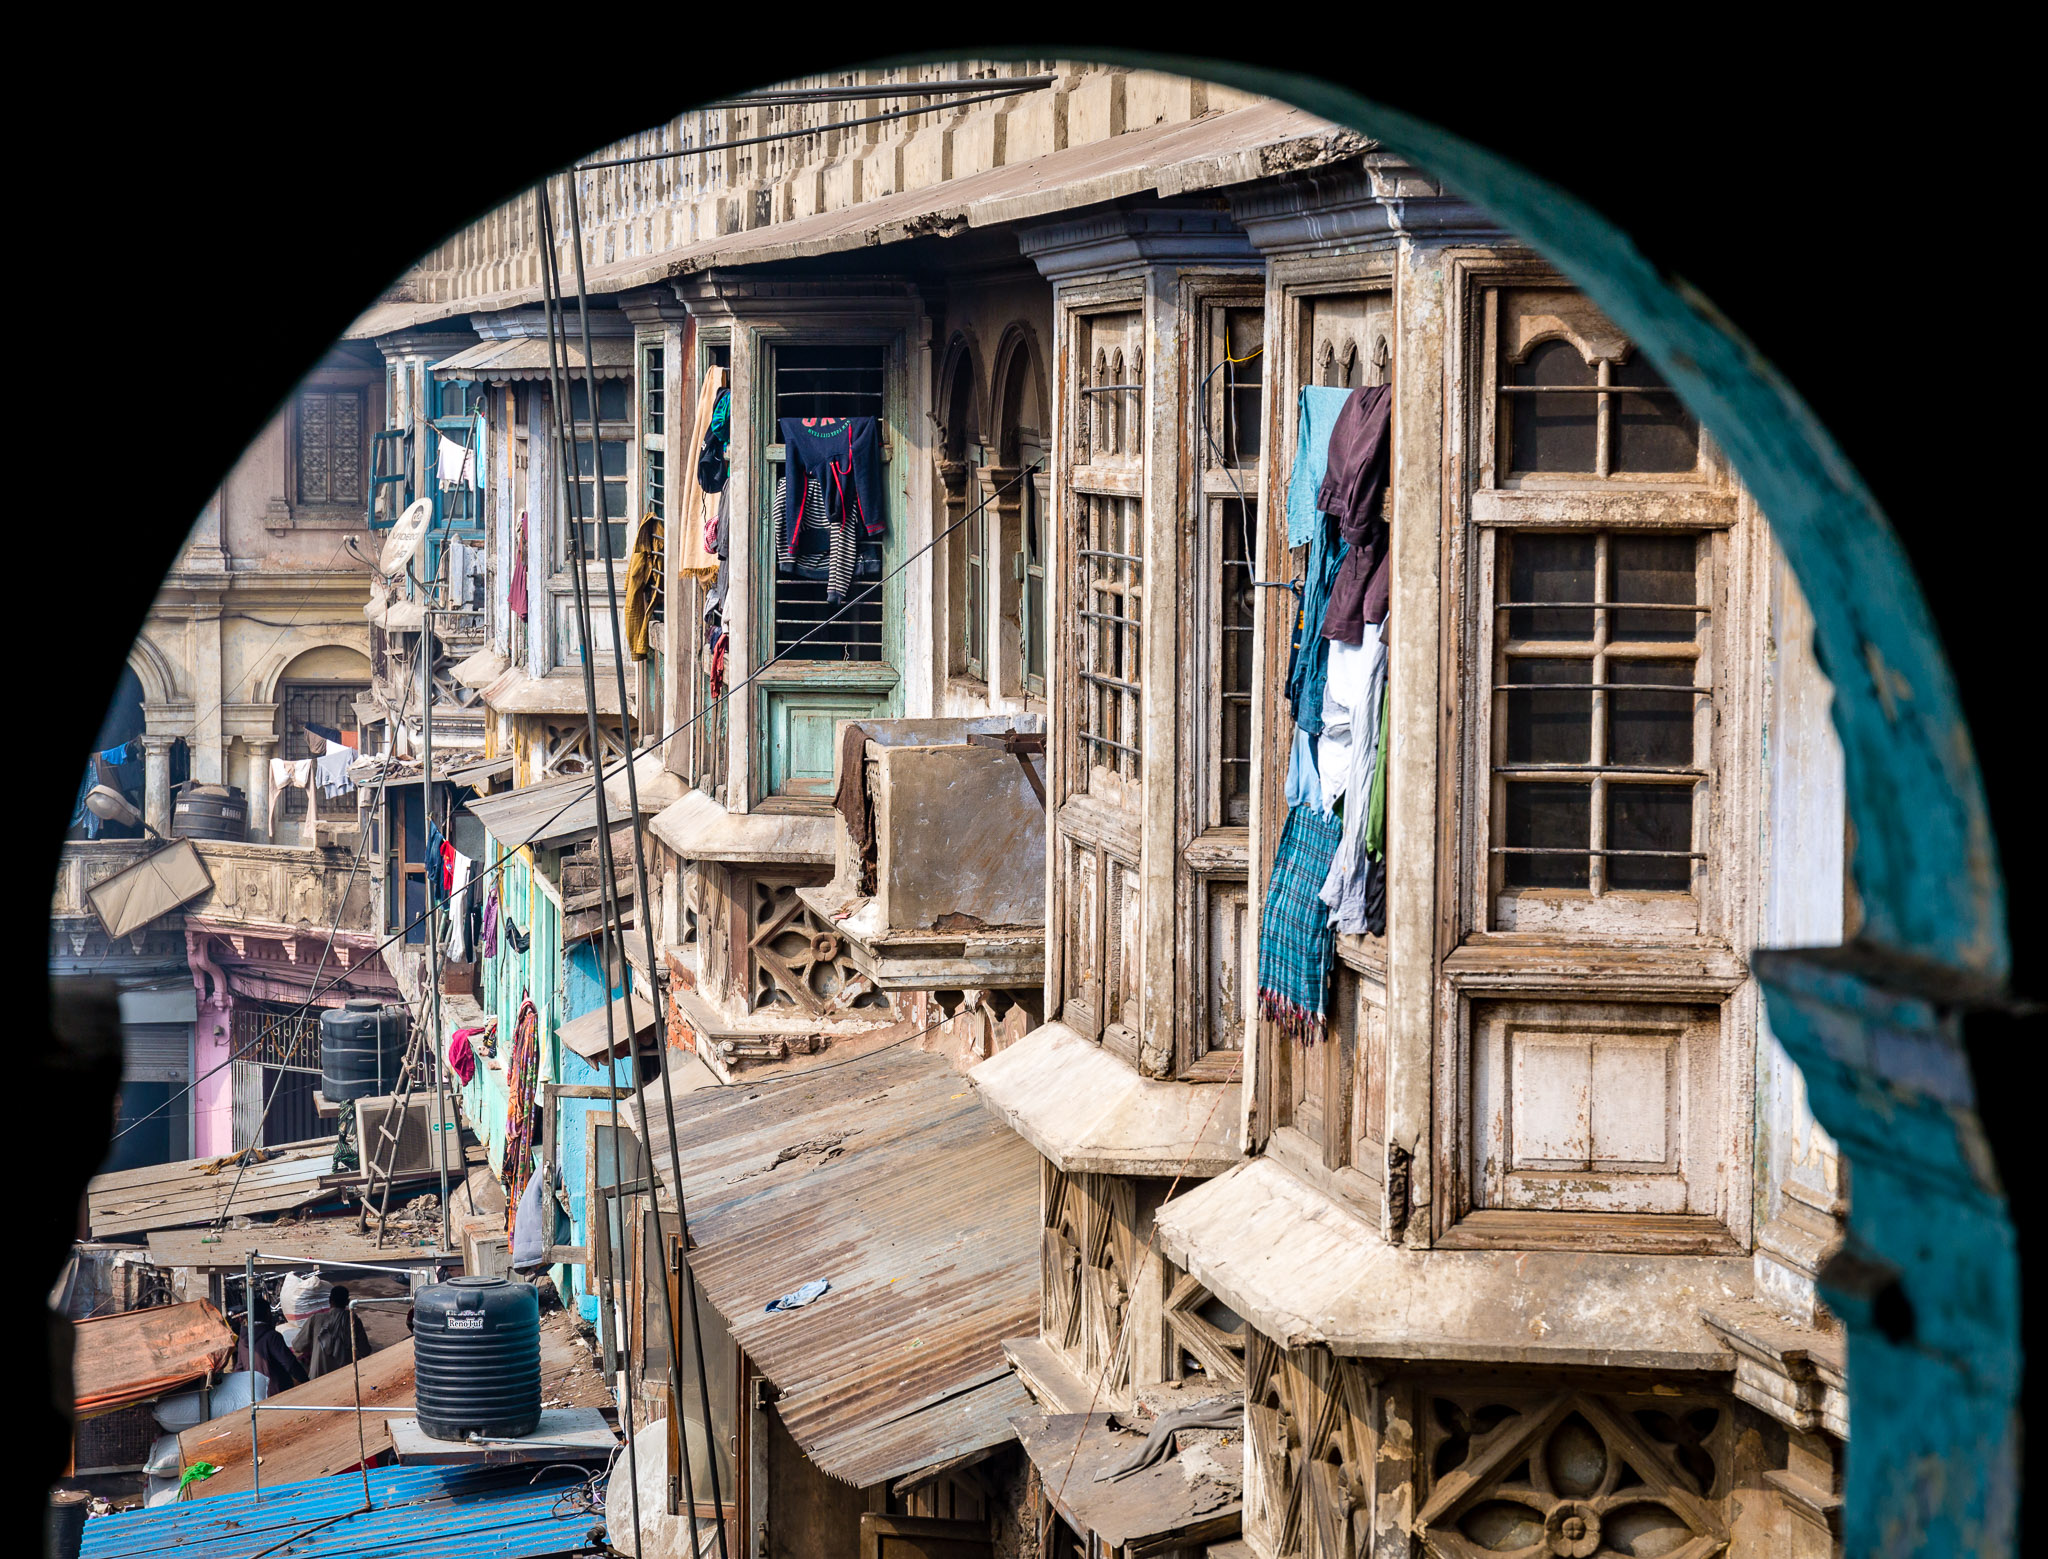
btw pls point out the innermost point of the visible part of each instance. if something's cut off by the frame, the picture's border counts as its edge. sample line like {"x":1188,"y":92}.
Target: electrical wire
{"x":604,"y":773}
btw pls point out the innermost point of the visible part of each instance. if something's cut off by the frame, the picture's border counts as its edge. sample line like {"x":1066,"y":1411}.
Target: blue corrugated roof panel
{"x":418,"y":1512}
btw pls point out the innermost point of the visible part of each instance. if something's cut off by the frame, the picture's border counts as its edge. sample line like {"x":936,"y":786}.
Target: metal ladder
{"x":388,"y":1137}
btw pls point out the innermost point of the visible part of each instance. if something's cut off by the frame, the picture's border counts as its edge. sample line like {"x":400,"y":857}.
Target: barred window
{"x":1602,"y":685}
{"x":1112,"y":616}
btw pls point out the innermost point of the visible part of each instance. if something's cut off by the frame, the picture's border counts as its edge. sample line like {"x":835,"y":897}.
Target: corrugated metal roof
{"x":540,"y":814}
{"x":122,"y":1359}
{"x":526,"y":357}
{"x":886,"y":1178}
{"x":421,"y":1512}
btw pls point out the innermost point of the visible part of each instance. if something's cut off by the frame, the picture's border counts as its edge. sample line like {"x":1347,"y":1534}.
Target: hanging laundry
{"x":1376,"y":796}
{"x":1353,"y":492}
{"x":696,"y":557}
{"x":1352,"y":716}
{"x":1309,"y":656}
{"x":522,"y":1077}
{"x":833,"y":487}
{"x":1316,"y":415}
{"x":1304,"y":784}
{"x":515,"y":590}
{"x":517,"y":939}
{"x":331,"y":769}
{"x":715,"y":435}
{"x":458,"y":907}
{"x":292,"y":774}
{"x":438,"y":862}
{"x":349,"y":739}
{"x":718,"y":659}
{"x":461,"y":1057}
{"x":643,"y":584}
{"x":490,"y":931}
{"x":456,"y":464}
{"x":1297,"y":944}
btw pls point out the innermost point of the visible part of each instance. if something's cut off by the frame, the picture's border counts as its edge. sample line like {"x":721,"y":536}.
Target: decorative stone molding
{"x":1797,"y":1374}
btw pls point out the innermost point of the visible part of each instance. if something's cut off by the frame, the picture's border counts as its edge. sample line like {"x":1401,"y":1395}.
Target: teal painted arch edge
{"x":1925,"y":864}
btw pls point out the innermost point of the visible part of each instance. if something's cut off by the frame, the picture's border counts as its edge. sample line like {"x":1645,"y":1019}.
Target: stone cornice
{"x":1126,"y":239}
{"x":1373,"y":201}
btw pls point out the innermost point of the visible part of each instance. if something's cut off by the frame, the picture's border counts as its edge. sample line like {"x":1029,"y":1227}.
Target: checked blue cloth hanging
{"x":1297,"y":943}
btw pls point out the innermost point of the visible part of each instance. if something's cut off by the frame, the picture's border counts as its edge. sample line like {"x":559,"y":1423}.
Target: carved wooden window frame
{"x":1099,"y":467}
{"x":1614,"y":958}
{"x":1295,"y":285}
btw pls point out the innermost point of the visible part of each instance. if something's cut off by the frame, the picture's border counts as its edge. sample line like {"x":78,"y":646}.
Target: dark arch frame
{"x":1939,"y":746}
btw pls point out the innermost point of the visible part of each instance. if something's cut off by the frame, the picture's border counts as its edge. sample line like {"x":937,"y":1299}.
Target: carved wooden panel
{"x":1595,"y":1106}
{"x":1090,"y":1259}
{"x":1083,"y":961}
{"x":1350,"y":338}
{"x":1206,"y":1328}
{"x":799,"y":962}
{"x":1226,"y":921}
{"x":1574,"y":1474}
{"x":1309,"y":1415}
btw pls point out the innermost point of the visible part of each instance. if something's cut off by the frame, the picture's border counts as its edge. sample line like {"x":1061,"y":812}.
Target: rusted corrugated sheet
{"x":140,"y":1355}
{"x":886,"y":1178}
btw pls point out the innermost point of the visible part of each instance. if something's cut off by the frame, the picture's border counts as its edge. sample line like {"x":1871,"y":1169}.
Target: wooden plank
{"x":303,"y":1445}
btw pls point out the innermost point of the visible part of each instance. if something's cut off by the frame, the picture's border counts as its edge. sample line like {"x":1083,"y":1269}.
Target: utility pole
{"x":434,"y":912}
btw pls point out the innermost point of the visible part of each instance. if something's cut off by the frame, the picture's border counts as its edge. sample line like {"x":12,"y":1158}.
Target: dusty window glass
{"x":1600,"y":682}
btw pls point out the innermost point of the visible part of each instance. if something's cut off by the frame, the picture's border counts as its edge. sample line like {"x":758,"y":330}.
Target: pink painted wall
{"x":212,"y":1098}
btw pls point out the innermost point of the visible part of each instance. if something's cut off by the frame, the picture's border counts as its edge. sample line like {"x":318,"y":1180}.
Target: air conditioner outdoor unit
{"x":416,"y":1137}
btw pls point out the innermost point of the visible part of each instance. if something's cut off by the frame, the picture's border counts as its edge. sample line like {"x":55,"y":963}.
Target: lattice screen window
{"x":329,"y":457}
{"x":565,"y":749}
{"x":1574,"y":1473}
{"x":797,"y":963}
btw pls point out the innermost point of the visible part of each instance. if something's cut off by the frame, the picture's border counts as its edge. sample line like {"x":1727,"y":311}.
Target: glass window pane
{"x":1244,"y":332}
{"x":656,"y":391}
{"x":1651,"y":432}
{"x":1552,"y":432}
{"x":1550,"y":568}
{"x":1550,"y":816}
{"x":1234,"y":620}
{"x":1652,"y":568}
{"x":1645,"y":728}
{"x":1546,"y":724}
{"x":611,"y":400}
{"x":1649,"y":817}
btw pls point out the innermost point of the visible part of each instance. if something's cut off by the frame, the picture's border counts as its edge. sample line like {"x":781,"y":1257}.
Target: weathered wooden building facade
{"x":1515,"y":1252}
{"x":256,"y":634}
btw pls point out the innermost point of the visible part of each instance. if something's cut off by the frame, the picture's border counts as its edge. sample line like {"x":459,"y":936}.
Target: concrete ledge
{"x":1087,"y":1112}
{"x":1302,"y":1269}
{"x":699,"y":829}
{"x":659,"y":789}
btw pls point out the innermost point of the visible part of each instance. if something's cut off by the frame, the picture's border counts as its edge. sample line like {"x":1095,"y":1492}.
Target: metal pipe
{"x":322,"y":1261}
{"x":646,"y":911}
{"x":558,"y":379}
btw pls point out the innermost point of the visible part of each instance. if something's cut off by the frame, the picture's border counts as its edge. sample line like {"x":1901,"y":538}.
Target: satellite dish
{"x":106,"y":802}
{"x":403,"y":544}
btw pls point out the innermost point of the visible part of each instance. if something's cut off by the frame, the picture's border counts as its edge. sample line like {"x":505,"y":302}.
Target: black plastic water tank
{"x":209,"y":812}
{"x":476,"y":1358}
{"x":362,"y":1047}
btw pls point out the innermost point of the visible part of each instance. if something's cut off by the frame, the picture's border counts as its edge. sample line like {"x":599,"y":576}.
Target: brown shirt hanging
{"x":1353,"y":492}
